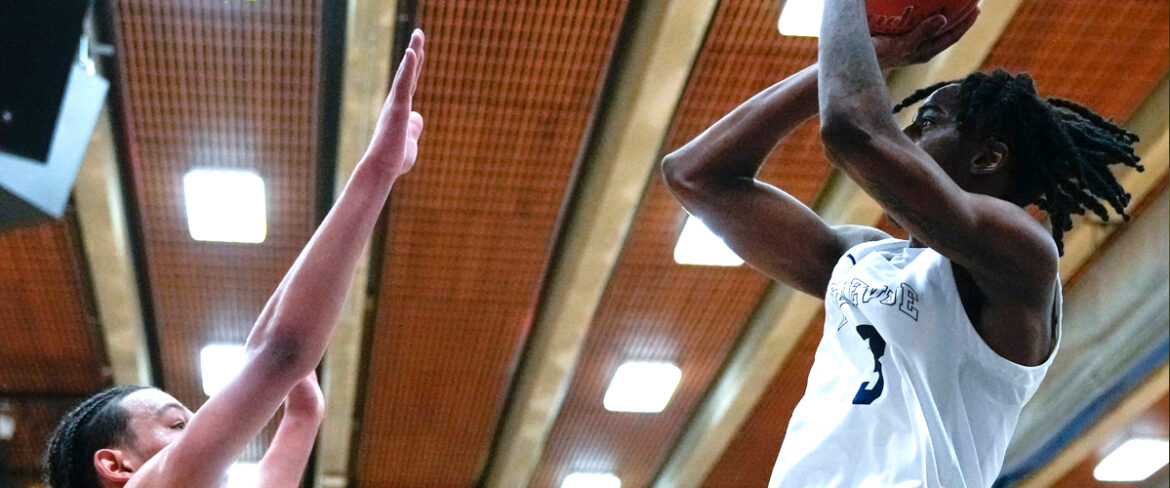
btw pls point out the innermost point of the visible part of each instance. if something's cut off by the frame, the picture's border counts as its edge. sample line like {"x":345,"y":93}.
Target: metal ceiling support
{"x":1118,"y":418}
{"x":369,"y":39}
{"x":784,"y":314}
{"x":648,"y":84}
{"x":101,"y":216}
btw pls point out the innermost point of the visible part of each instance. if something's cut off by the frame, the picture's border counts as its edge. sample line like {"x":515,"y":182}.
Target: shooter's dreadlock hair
{"x":97,"y":423}
{"x":1062,"y":150}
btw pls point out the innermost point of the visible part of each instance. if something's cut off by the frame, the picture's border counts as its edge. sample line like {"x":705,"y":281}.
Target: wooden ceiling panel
{"x":758,"y":441}
{"x":217,"y":85}
{"x":1106,"y":54}
{"x":34,"y":420}
{"x":655,"y":309}
{"x":51,"y":354}
{"x":50,"y":344}
{"x":508,"y":92}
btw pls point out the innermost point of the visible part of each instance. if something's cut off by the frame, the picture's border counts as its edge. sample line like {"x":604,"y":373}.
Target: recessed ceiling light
{"x":225,"y":206}
{"x":1135,"y":460}
{"x":7,"y":427}
{"x":219,"y":364}
{"x":243,"y":475}
{"x":698,"y":245}
{"x":801,"y":18}
{"x":640,"y":386}
{"x":591,"y":480}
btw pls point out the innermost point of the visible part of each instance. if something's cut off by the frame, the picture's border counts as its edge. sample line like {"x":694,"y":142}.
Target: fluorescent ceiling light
{"x":698,"y":245}
{"x":591,"y":480}
{"x":243,"y":475}
{"x":225,"y":206}
{"x":219,"y":364}
{"x":640,"y":386}
{"x":801,"y":18}
{"x":1135,"y":460}
{"x":7,"y":427}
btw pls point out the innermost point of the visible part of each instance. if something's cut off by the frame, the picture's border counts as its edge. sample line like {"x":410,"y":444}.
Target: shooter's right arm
{"x":714,"y":178}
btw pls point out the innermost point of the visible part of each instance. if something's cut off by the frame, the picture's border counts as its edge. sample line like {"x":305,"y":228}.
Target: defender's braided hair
{"x":1062,"y":150}
{"x":98,"y":423}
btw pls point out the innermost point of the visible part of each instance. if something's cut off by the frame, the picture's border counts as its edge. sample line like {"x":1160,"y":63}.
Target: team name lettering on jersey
{"x":857,"y":292}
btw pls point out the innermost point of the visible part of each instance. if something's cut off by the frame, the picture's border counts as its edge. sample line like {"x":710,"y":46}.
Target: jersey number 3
{"x":871,"y":390}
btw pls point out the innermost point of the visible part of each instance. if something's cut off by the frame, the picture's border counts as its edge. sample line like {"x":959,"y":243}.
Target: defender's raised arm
{"x":294,"y":329}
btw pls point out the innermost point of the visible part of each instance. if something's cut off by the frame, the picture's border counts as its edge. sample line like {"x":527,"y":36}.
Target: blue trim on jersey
{"x":850,"y":256}
{"x":1086,"y":417}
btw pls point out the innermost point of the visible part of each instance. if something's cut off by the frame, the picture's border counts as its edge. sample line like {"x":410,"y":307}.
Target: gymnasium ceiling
{"x":529,"y":253}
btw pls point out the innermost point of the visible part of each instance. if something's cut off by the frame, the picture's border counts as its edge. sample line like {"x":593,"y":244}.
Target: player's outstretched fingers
{"x":418,"y":44}
{"x":401,"y":89}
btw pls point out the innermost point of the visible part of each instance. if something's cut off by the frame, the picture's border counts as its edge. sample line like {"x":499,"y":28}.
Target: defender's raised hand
{"x":395,"y":143}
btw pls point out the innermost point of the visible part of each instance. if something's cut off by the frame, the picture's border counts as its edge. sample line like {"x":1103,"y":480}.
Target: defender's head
{"x":994,"y":135}
{"x":111,"y":435}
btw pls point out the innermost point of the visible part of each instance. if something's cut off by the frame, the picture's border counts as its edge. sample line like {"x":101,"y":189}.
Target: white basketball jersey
{"x":903,"y":391}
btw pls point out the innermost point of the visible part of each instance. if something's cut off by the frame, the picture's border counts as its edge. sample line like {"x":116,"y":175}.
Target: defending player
{"x":141,"y":437}
{"x":931,"y":346}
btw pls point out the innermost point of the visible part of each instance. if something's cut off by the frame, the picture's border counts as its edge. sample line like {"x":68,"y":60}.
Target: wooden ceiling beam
{"x":630,"y":129}
{"x":101,"y":215}
{"x":106,"y":240}
{"x":784,"y":314}
{"x":369,"y":40}
{"x":1104,"y":430}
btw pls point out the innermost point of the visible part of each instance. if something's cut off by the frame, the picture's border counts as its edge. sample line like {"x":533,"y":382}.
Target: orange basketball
{"x":894,"y":17}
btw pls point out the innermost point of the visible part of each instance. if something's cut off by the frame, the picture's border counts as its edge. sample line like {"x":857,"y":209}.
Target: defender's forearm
{"x":308,"y":301}
{"x":284,"y":463}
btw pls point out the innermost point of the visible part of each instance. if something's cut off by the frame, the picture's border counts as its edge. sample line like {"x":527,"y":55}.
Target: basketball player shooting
{"x":931,"y":346}
{"x":132,"y":436}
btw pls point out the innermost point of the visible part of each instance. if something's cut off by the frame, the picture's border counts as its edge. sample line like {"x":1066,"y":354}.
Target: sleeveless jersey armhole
{"x":984,"y":354}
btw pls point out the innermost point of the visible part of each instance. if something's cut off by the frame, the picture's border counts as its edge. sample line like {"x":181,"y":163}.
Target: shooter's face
{"x":936,"y":130}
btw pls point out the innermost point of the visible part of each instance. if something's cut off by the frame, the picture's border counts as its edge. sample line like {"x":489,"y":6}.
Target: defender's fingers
{"x":416,"y":39}
{"x":403,"y":84}
{"x":390,"y":97}
{"x":418,"y":43}
{"x":422,"y":52}
{"x":395,"y":120}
